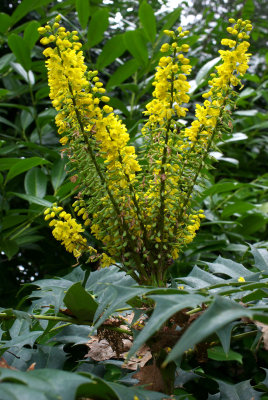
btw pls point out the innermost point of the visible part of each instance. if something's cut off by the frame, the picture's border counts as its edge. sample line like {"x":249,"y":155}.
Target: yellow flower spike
{"x":241,"y":279}
{"x":58,"y":18}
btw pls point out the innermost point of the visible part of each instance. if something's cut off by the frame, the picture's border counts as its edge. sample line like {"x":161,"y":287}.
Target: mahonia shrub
{"x":139,"y":206}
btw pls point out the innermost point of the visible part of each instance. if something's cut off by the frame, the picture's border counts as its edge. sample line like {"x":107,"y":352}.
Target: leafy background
{"x":122,"y":40}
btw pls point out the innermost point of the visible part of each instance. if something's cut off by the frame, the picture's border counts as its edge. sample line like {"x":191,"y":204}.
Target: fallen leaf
{"x":151,"y":377}
{"x":4,"y":364}
{"x":143,"y":355}
{"x":100,"y":350}
{"x":31,"y":367}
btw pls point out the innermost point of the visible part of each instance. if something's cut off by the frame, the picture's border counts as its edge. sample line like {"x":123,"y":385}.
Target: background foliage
{"x":122,"y":40}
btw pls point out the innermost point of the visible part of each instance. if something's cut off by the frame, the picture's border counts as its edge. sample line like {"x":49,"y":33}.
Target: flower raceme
{"x":139,"y":206}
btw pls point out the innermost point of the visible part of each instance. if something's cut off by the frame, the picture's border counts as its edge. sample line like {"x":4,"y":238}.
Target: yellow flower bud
{"x":164,"y":48}
{"x":44,"y":41}
{"x":105,"y":99}
{"x":41,"y":30}
{"x":185,"y":47}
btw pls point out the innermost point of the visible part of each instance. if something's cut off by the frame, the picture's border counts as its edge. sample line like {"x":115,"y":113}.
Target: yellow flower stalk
{"x":141,"y":212}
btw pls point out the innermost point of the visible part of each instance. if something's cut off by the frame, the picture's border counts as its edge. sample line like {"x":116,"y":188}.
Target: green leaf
{"x":224,"y":334}
{"x":5,"y":22}
{"x":115,"y":297}
{"x":229,"y":267}
{"x":166,"y":306}
{"x":80,"y":302}
{"x":35,"y":182}
{"x":246,"y":93}
{"x":9,"y":247}
{"x":240,"y":391}
{"x":203,"y":72}
{"x":32,"y":199}
{"x":15,"y":391}
{"x":7,"y":163}
{"x":5,"y":61}
{"x":58,"y":173}
{"x":25,"y":7}
{"x":239,"y":207}
{"x":83,"y":10}
{"x":112,"y":49}
{"x":75,"y":334}
{"x":221,"y":188}
{"x":122,"y":73}
{"x":217,"y":353}
{"x":221,"y":312}
{"x":24,"y":165}
{"x":148,"y":21}
{"x":235,"y":138}
{"x":26,"y":118}
{"x":31,"y":34}
{"x":246,"y":113}
{"x":136,"y":45}
{"x":50,"y":382}
{"x":251,"y":224}
{"x":21,"y":50}
{"x":98,"y":24}
{"x":28,"y":338}
{"x":125,"y":393}
{"x":248,"y":9}
{"x":65,"y":189}
{"x":260,"y":257}
{"x":27,"y":76}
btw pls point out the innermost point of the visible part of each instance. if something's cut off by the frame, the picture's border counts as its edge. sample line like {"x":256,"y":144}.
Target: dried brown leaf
{"x":31,"y":367}
{"x":151,"y":377}
{"x":4,"y":364}
{"x":100,"y":350}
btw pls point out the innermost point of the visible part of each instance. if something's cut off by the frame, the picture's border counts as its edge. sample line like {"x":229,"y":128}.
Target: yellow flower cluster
{"x":66,"y":230}
{"x":142,"y":215}
{"x":234,"y":65}
{"x":77,"y":94}
{"x":170,"y":84}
